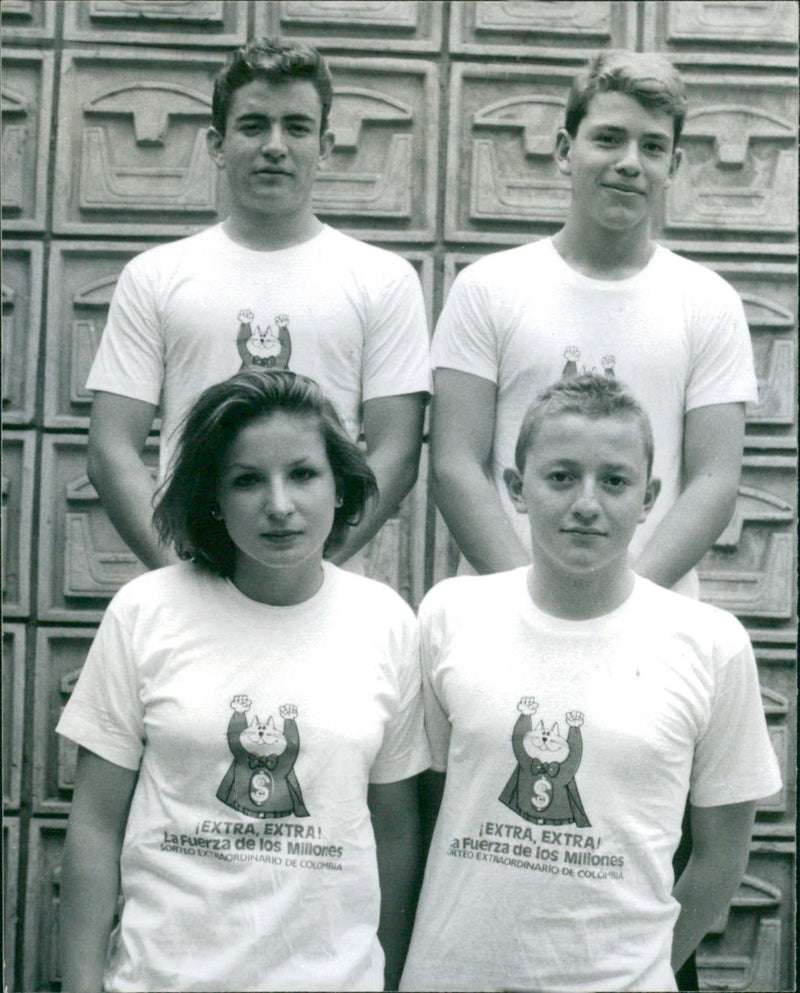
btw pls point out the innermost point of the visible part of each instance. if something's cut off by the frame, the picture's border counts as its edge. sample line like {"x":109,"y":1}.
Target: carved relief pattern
{"x":764,"y":21}
{"x":15,"y":521}
{"x":21,"y":307}
{"x":134,"y":158}
{"x":740,"y":163}
{"x":25,"y":102}
{"x":158,"y":22}
{"x":42,"y":902}
{"x":537,"y":17}
{"x":13,"y":671}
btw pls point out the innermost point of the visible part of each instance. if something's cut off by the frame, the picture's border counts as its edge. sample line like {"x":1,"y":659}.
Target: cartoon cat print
{"x":260,"y":781}
{"x":264,"y":347}
{"x":542,"y":789}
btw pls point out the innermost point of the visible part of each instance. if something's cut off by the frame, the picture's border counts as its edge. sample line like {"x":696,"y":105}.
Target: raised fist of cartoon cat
{"x":260,"y":781}
{"x":542,"y":788}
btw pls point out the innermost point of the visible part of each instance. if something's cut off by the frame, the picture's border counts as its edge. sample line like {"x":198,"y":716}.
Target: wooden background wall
{"x":445,"y":117}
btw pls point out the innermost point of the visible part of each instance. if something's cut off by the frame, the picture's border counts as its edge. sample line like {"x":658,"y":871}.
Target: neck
{"x":579,"y":597}
{"x":603,"y":254}
{"x":278,"y":587}
{"x":270,"y":234}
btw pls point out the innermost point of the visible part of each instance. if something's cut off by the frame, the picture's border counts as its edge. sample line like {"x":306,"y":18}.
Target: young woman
{"x":249,"y":724}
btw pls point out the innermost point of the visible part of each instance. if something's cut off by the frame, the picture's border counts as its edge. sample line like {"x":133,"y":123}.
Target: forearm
{"x":688,"y":531}
{"x":126,"y":489}
{"x":471,"y":507}
{"x":704,"y":891}
{"x":89,"y":892}
{"x":396,"y":477}
{"x":398,"y":867}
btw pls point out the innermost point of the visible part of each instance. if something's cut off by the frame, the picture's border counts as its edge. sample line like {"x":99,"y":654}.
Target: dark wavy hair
{"x":650,"y":79}
{"x":275,"y":60}
{"x":591,"y":394}
{"x":184,"y":515}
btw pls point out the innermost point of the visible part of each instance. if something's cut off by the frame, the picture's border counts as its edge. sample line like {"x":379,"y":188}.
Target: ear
{"x":326,"y":142}
{"x":563,"y":152}
{"x":650,"y":495}
{"x":214,"y":142}
{"x":677,"y":157}
{"x":513,"y":481}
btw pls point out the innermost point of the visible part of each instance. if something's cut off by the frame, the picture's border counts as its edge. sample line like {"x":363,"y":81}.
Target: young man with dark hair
{"x":573,"y":706}
{"x":270,"y":287}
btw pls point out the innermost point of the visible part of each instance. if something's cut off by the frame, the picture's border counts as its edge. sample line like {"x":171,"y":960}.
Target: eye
{"x":298,"y":129}
{"x":249,"y":128}
{"x":559,"y":477}
{"x":304,"y":473}
{"x":616,"y":482}
{"x":607,"y":139}
{"x":654,"y":148}
{"x":244,"y":480}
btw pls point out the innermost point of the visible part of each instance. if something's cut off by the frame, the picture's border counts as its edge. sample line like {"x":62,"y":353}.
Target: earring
{"x":338,"y":502}
{"x":216,"y":513}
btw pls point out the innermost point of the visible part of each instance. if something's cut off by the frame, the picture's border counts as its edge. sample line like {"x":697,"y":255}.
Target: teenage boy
{"x":598,"y":295}
{"x":270,"y":287}
{"x":574,"y":705}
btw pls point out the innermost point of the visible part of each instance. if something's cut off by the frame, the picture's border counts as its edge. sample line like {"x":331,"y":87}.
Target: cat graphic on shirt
{"x":542,"y":789}
{"x":264,"y":348}
{"x":260,"y":781}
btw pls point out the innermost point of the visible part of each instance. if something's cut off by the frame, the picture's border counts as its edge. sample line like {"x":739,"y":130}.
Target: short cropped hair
{"x":187,"y":506}
{"x":650,"y":79}
{"x":277,"y":61}
{"x":591,"y":394}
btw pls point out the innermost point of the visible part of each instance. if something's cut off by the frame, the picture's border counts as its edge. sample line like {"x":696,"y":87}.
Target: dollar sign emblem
{"x":260,"y":787}
{"x":542,"y":793}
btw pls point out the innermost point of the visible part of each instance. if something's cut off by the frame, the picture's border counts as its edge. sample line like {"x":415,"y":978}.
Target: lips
{"x":623,"y":189}
{"x":584,"y":531}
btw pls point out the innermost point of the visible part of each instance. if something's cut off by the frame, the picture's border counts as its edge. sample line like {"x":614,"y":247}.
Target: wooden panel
{"x":82,"y":280}
{"x":157,"y":22}
{"x":10,"y":895}
{"x":60,"y":654}
{"x":531,"y":29}
{"x":83,"y":560}
{"x":27,"y":20}
{"x":13,"y":712}
{"x":379,"y":183}
{"x":40,"y":961}
{"x":16,"y":521}
{"x":27,"y":99}
{"x":131,"y":151}
{"x":502,"y":183}
{"x":22,"y":305}
{"x":387,"y":26}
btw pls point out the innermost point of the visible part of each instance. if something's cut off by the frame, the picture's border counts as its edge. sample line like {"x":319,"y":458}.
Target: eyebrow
{"x":619,"y":130}
{"x":253,"y":115}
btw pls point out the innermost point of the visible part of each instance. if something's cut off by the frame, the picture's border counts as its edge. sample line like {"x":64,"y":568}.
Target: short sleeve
{"x":437,"y":723}
{"x":396,"y":359}
{"x":404,"y":751}
{"x":722,"y":359}
{"x":465,"y":338}
{"x":130,"y":359}
{"x":734,"y":761}
{"x":104,"y":713}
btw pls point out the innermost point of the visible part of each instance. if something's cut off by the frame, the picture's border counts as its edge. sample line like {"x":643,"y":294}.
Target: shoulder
{"x":174,"y":251}
{"x":348,"y":252}
{"x":504,"y":267}
{"x":173,"y":585}
{"x":692,"y":278}
{"x":471,"y":596}
{"x":690,"y":619}
{"x":368,"y":597}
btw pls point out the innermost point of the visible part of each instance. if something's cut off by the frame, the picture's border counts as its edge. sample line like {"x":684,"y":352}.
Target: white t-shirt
{"x":193,"y":312}
{"x":249,"y":859}
{"x":550,"y":866}
{"x":675,"y":334}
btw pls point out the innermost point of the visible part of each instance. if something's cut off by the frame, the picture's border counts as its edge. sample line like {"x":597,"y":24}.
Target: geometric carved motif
{"x":762,"y":584}
{"x":86,"y":334}
{"x":383,"y":193}
{"x":25,"y":105}
{"x":740,"y":166}
{"x":366,"y":15}
{"x":202,"y":11}
{"x":151,"y":174}
{"x":757,"y":21}
{"x":21,"y":310}
{"x":759,"y":971}
{"x":17,"y":124}
{"x":220,"y":23}
{"x":586,"y":19}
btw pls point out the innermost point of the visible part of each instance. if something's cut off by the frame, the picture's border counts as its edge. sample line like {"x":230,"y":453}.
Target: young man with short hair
{"x":574,"y":706}
{"x":600,"y":294}
{"x":270,"y":287}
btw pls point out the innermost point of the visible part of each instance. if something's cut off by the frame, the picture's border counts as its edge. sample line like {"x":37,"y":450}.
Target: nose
{"x":279,"y":501}
{"x":274,"y":142}
{"x":628,"y":161}
{"x":586,"y":507}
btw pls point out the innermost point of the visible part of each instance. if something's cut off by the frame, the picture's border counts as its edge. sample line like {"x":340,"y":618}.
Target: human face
{"x":620,"y":161}
{"x":584,"y":488}
{"x":277,"y":497}
{"x":272,"y":147}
